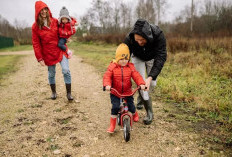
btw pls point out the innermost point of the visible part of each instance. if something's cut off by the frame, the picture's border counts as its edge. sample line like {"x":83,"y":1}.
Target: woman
{"x":45,"y":43}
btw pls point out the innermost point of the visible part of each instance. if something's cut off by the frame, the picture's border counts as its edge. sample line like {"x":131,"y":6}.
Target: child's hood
{"x":39,"y":5}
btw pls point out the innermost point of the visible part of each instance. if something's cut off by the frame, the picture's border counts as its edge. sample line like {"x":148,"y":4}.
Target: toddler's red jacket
{"x":119,"y":77}
{"x":68,"y":29}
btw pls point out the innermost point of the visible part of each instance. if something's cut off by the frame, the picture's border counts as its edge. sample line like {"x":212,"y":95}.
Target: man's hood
{"x":143,"y":28}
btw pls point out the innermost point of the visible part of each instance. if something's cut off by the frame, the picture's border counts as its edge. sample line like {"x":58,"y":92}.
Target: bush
{"x":213,"y":45}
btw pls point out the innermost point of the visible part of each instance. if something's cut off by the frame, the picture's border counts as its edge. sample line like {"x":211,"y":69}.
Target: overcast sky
{"x":24,"y":10}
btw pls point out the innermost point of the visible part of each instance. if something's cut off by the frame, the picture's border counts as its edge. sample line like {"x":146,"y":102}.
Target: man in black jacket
{"x":147,"y":46}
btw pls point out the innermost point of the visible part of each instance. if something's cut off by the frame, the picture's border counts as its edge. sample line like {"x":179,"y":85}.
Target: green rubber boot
{"x":148,"y":107}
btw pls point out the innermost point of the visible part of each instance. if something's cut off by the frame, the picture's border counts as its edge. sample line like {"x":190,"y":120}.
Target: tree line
{"x":118,"y":16}
{"x":202,"y":18}
{"x":213,"y":18}
{"x":19,"y":32}
{"x":107,"y":20}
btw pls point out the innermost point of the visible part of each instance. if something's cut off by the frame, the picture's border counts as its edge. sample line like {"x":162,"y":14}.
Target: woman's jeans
{"x":65,"y":70}
{"x":144,"y":68}
{"x":115,"y":101}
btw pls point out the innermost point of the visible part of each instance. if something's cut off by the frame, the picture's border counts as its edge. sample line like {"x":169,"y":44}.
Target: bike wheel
{"x":126,"y":129}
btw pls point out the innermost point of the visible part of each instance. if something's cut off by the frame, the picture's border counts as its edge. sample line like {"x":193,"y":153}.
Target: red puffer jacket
{"x":119,"y":77}
{"x":45,"y":40}
{"x":68,"y":29}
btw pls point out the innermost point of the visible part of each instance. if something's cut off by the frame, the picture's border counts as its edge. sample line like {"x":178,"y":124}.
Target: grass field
{"x":196,"y":82}
{"x":200,"y":81}
{"x":8,"y":62}
{"x":7,"y":65}
{"x":17,"y":48}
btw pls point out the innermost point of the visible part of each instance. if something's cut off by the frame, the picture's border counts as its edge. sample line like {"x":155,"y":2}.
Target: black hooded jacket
{"x":155,"y":47}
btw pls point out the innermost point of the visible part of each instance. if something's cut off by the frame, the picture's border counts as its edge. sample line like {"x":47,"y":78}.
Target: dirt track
{"x":34,"y":125}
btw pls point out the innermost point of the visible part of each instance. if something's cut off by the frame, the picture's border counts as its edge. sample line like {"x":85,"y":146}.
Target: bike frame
{"x":123,"y":103}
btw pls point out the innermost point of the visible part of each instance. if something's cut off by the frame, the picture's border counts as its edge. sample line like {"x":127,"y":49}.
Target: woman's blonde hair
{"x":40,"y":21}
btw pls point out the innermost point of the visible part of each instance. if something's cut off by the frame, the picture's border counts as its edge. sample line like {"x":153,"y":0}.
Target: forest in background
{"x":110,"y":21}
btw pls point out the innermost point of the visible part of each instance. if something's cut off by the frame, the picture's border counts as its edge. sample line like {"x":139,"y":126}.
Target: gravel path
{"x":34,"y":125}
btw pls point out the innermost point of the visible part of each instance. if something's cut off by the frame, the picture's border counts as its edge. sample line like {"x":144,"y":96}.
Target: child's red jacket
{"x":119,"y":77}
{"x":68,"y":29}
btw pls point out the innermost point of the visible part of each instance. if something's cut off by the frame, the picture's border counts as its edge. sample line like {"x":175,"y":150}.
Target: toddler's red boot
{"x":112,"y":125}
{"x":136,"y":117}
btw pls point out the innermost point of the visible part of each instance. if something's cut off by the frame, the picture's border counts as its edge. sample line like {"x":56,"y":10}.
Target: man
{"x":147,"y":46}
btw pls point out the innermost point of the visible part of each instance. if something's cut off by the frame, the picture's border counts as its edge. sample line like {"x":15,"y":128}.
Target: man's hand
{"x":108,"y":88}
{"x":42,"y":63}
{"x":148,"y":82}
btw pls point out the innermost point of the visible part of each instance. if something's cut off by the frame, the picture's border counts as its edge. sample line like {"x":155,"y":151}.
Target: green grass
{"x":8,"y":62}
{"x":7,"y":65}
{"x":200,"y":81}
{"x":17,"y":48}
{"x":99,"y":56}
{"x":197,"y":81}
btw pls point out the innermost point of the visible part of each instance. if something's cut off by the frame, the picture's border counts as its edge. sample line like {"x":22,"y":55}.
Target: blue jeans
{"x":61,"y":44}
{"x":115,"y":101}
{"x":65,"y":70}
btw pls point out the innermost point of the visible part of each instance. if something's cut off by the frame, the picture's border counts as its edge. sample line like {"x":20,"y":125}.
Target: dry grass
{"x":106,"y":38}
{"x":213,"y":45}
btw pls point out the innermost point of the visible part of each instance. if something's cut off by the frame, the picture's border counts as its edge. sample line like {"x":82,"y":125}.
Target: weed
{"x":64,"y":120}
{"x":28,"y":123}
{"x":54,"y":147}
{"x":58,"y":110}
{"x":36,"y":106}
{"x":50,"y":139}
{"x":20,"y":110}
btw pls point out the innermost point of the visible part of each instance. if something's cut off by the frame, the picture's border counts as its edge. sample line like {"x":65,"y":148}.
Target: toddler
{"x":66,"y":29}
{"x":118,"y":76}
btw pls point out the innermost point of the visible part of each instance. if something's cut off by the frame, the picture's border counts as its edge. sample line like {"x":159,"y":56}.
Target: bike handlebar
{"x":123,"y":96}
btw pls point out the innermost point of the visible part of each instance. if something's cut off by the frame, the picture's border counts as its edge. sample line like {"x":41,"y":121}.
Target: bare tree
{"x":116,"y":15}
{"x":145,"y":9}
{"x":160,"y":6}
{"x":124,"y":14}
{"x":191,"y":26}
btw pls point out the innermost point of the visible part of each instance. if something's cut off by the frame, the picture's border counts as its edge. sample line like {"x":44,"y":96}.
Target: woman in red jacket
{"x":118,"y":76}
{"x":45,"y":44}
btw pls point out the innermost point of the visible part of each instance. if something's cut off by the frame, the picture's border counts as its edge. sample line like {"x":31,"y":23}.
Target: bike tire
{"x":126,"y":129}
